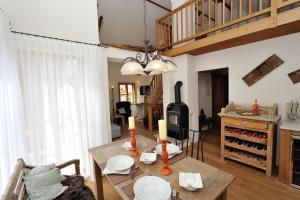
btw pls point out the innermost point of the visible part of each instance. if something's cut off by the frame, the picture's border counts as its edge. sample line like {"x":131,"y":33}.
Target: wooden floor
{"x":249,"y":184}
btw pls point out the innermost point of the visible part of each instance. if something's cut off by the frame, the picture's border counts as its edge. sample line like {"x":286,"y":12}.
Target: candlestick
{"x":162,"y":129}
{"x":134,"y":151}
{"x":164,"y":156}
{"x":131,"y":122}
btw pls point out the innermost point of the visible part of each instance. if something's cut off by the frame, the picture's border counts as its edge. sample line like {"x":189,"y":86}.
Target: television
{"x":144,"y":90}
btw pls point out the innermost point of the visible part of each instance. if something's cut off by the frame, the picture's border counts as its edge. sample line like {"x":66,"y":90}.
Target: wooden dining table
{"x":215,"y":181}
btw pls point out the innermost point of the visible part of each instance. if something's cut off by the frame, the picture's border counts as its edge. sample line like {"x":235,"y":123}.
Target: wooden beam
{"x":158,"y":5}
{"x":200,"y":13}
{"x":128,"y":47}
{"x":226,"y":5}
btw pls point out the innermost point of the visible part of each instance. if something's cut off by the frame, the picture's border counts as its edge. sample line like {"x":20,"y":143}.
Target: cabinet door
{"x":285,"y":157}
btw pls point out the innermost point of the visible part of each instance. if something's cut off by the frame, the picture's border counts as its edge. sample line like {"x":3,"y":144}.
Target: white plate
{"x":171,"y":149}
{"x":120,"y":163}
{"x":152,"y":187}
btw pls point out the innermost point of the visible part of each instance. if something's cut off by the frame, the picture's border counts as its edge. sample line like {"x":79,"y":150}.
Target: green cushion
{"x":44,"y":185}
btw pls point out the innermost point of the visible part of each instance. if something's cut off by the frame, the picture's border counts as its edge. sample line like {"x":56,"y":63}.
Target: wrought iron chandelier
{"x":152,"y":63}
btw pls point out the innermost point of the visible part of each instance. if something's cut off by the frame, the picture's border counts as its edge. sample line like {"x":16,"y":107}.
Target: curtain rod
{"x":54,"y":38}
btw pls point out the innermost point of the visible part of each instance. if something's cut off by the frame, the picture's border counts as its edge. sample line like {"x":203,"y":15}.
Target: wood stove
{"x":177,"y":115}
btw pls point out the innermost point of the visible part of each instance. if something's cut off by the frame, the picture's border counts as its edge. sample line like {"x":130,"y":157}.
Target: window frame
{"x":127,"y":94}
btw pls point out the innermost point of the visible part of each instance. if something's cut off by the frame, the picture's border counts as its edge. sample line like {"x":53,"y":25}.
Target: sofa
{"x":115,"y":131}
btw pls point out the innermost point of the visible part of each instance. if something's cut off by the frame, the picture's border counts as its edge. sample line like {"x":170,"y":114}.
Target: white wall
{"x":66,"y":19}
{"x":123,"y":21}
{"x":189,"y":91}
{"x":275,"y":87}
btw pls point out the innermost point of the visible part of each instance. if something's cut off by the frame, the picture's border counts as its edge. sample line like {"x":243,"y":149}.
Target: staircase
{"x":154,"y":103}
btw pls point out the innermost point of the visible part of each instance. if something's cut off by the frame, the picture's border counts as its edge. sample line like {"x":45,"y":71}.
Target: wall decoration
{"x":295,"y":76}
{"x":263,"y":69}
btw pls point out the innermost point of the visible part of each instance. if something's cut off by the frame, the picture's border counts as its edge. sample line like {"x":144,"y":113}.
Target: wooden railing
{"x":197,"y":19}
{"x":155,"y":92}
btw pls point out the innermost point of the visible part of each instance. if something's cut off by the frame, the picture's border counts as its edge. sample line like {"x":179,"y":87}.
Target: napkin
{"x":127,"y":146}
{"x":197,"y":183}
{"x":107,"y":171}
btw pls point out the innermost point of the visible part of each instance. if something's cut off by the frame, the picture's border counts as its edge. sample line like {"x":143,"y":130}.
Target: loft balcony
{"x":202,"y":26}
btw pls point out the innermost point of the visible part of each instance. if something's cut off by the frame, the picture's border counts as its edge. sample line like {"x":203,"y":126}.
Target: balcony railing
{"x":198,"y":19}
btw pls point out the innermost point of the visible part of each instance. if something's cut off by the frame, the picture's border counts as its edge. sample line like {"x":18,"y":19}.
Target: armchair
{"x":16,"y":187}
{"x":127,"y":107}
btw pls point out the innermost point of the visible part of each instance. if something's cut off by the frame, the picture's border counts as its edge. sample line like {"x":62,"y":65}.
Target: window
{"x":127,"y":92}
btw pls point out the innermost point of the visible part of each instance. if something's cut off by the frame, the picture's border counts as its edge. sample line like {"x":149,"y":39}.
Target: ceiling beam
{"x":154,"y":3}
{"x":226,"y":5}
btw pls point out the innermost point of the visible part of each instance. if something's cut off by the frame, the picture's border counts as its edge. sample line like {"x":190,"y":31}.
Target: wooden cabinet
{"x":289,"y":159}
{"x":249,"y":139}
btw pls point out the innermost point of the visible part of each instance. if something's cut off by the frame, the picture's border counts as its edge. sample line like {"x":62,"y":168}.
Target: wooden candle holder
{"x":134,"y":152}
{"x":165,"y":158}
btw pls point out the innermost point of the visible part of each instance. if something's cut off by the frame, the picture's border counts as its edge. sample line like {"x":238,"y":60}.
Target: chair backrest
{"x":16,"y":187}
{"x":125,"y":105}
{"x":194,"y":138}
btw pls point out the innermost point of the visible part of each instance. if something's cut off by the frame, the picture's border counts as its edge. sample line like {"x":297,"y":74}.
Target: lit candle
{"x":162,"y":129}
{"x":131,"y":122}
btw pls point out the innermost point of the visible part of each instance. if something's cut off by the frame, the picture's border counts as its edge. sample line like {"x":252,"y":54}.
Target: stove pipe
{"x":177,"y":92}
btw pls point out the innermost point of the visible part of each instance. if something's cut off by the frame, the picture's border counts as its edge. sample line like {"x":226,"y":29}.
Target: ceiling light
{"x":152,"y":63}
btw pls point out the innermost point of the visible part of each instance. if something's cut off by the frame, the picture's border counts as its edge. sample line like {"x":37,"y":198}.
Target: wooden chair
{"x":16,"y":187}
{"x":185,"y":143}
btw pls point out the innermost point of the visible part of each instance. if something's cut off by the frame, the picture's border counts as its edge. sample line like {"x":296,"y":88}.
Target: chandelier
{"x":151,"y":64}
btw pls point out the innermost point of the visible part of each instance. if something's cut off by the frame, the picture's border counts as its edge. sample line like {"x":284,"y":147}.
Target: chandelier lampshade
{"x":132,"y":68}
{"x":156,"y":66}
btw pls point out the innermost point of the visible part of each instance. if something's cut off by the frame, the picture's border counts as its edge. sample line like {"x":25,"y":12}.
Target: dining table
{"x":215,"y":181}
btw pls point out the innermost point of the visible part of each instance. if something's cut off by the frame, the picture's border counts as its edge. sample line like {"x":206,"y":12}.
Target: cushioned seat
{"x":115,"y":131}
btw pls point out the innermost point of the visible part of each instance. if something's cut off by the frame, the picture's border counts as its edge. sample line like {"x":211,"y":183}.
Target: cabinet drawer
{"x":260,"y":126}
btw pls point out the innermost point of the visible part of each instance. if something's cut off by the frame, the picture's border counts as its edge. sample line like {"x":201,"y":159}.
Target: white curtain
{"x":11,"y":108}
{"x":65,"y":94}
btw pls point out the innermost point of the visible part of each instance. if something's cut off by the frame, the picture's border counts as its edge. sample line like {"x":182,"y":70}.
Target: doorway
{"x":213,"y":94}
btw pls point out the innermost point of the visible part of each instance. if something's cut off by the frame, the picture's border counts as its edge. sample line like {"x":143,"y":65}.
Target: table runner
{"x":119,"y":178}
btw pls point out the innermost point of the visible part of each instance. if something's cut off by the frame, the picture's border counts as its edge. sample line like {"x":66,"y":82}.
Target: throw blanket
{"x":77,"y":189}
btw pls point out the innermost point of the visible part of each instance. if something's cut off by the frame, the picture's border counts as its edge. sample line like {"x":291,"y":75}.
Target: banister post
{"x":158,"y":32}
{"x":150,"y":124}
{"x":274,"y":5}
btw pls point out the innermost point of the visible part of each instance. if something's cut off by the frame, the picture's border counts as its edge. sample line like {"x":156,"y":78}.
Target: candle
{"x":131,"y":122}
{"x":162,"y":129}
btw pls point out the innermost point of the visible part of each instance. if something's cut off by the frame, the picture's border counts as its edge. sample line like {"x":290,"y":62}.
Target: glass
{"x":123,"y":97}
{"x":130,"y":89}
{"x":123,"y":89}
